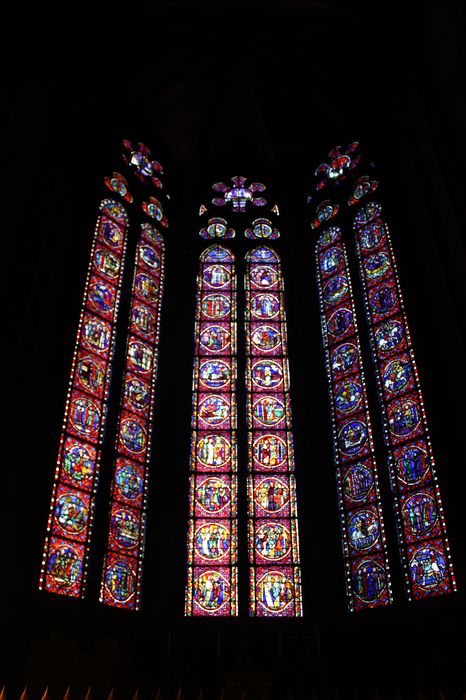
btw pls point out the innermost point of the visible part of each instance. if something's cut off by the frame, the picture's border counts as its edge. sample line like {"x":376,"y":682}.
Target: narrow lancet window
{"x":420,"y":519}
{"x":122,"y":572}
{"x":364,"y":544}
{"x":66,"y":552}
{"x":275,"y":585}
{"x":212,"y":538}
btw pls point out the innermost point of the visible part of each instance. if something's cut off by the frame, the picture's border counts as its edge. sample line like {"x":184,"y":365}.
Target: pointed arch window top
{"x":330,"y":236}
{"x":217,"y":253}
{"x":217,"y":228}
{"x":367,"y":214}
{"x":152,"y":233}
{"x":115,"y":211}
{"x":240,"y":195}
{"x":262,"y":228}
{"x":262,"y":254}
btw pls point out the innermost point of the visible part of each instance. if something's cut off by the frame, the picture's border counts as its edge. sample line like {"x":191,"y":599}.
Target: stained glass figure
{"x":211,"y":588}
{"x":66,"y":551}
{"x":122,"y":570}
{"x":117,"y":183}
{"x":421,"y":524}
{"x":239,"y":196}
{"x":140,"y":160}
{"x":363,"y":534}
{"x":262,"y":228}
{"x":217,"y":228}
{"x":275,"y":585}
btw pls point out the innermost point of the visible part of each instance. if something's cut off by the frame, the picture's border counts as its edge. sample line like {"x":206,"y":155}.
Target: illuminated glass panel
{"x":364,"y":545}
{"x":262,"y":228}
{"x":217,"y":228}
{"x":66,"y":551}
{"x":240,"y":196}
{"x":122,"y":571}
{"x":421,"y":525}
{"x":275,"y":586}
{"x":212,"y":538}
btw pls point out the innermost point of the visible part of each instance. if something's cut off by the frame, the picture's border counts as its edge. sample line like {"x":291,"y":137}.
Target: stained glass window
{"x":122,"y":572}
{"x":212,"y":539}
{"x":364,"y":544}
{"x":66,"y":552}
{"x":240,"y":195}
{"x":262,"y":228}
{"x":140,"y":160}
{"x":217,"y":228}
{"x":117,"y":183}
{"x":275,"y":586}
{"x":420,"y":518}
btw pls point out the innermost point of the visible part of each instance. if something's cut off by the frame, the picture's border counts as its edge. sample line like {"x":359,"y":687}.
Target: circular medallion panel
{"x":265,"y":306}
{"x":214,"y":410}
{"x":266,"y":338}
{"x":215,"y":374}
{"x":211,"y":590}
{"x":120,"y":581}
{"x":213,"y":495}
{"x":369,"y":581}
{"x":268,"y":410}
{"x":275,"y":591}
{"x":352,"y":437}
{"x":212,"y":541}
{"x":129,"y":481}
{"x":213,"y":451}
{"x":216,"y":305}
{"x":363,"y":530}
{"x":272,"y":541}
{"x":270,"y":451}
{"x":428,"y":568}
{"x":271,"y":495}
{"x":267,"y":374}
{"x":71,"y":514}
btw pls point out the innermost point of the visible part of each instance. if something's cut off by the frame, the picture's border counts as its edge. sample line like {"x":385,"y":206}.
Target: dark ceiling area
{"x":263,"y":90}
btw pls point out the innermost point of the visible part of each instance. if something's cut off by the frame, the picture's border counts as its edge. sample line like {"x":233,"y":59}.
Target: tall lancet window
{"x":342,"y":186}
{"x":81,"y":455}
{"x":275,"y":587}
{"x":212,"y":539}
{"x":264,"y":431}
{"x":66,"y":552}
{"x":364,"y":543}
{"x":421,"y":524}
{"x":122,"y":573}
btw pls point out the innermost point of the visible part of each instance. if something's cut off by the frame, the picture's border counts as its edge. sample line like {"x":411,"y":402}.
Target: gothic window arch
{"x":342,"y":186}
{"x":275,"y":585}
{"x":268,"y":477}
{"x":80,"y":457}
{"x":212,"y":541}
{"x":367,"y":570}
